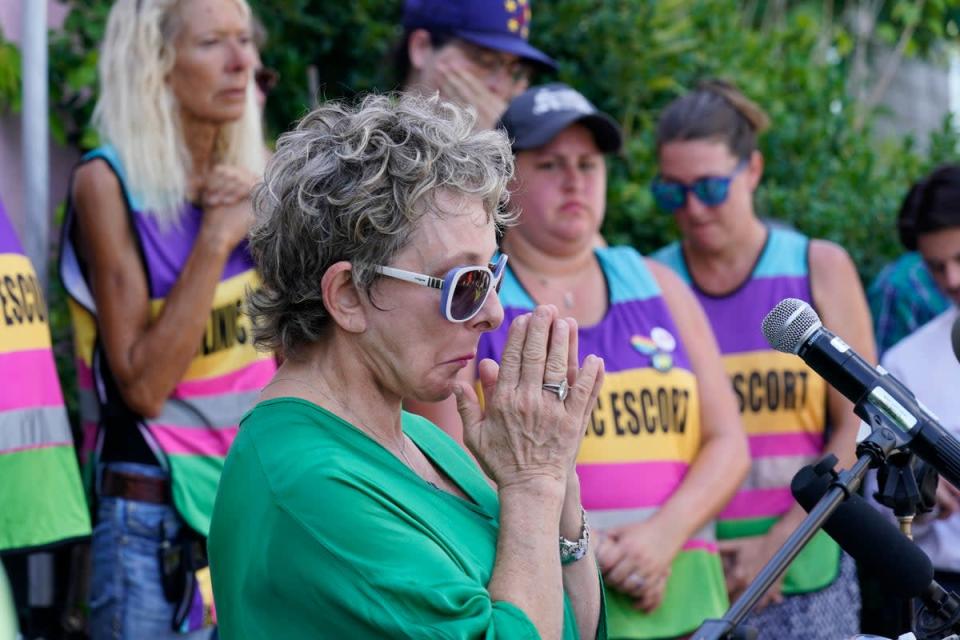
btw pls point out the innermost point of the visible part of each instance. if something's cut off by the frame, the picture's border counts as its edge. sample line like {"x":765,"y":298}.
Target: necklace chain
{"x":568,"y":295}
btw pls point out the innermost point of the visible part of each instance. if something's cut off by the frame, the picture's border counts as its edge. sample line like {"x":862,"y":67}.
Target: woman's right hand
{"x":227,"y":206}
{"x":525,"y":433}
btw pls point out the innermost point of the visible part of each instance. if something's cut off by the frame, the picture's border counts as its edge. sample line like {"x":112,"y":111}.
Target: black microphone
{"x":793,"y":327}
{"x":901,"y":566}
{"x":882,"y":550}
{"x":955,"y":338}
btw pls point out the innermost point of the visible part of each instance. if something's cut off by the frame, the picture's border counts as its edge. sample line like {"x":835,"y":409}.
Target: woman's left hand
{"x":636,"y":559}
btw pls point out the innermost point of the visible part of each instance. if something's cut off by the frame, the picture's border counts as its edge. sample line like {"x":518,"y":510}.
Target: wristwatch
{"x":573,"y":550}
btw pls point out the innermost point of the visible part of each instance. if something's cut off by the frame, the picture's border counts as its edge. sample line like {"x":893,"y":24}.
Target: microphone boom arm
{"x":872,"y":452}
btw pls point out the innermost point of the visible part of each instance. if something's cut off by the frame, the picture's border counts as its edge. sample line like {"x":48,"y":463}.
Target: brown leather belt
{"x":131,"y":486}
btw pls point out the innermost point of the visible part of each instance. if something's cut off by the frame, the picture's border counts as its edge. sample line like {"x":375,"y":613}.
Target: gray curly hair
{"x":353,"y":183}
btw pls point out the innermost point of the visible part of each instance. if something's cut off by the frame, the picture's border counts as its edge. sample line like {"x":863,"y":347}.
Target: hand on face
{"x":526,"y":433}
{"x":459,"y":83}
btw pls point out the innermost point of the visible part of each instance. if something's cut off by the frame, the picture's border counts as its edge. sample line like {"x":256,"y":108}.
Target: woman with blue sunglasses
{"x":339,"y":515}
{"x":740,"y":267}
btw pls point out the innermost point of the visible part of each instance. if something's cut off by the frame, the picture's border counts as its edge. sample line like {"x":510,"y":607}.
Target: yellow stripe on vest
{"x":23,"y":310}
{"x":777,"y":392}
{"x":227,"y":343}
{"x":644,"y":415}
{"x":84,"y":332}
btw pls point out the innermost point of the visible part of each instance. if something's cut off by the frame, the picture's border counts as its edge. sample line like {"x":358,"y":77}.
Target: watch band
{"x":573,"y":550}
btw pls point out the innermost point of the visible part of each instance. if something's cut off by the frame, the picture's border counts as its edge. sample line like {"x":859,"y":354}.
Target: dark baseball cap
{"x":502,"y":25}
{"x":537,"y":115}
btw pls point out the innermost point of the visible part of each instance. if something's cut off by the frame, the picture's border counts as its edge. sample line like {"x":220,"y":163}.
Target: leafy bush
{"x":826,"y":173}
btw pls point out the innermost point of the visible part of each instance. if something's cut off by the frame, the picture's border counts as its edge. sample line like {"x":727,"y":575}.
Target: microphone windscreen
{"x":955,"y":338}
{"x":788,"y":323}
{"x":881,"y":549}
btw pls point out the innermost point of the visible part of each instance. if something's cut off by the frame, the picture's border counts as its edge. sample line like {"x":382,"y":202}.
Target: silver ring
{"x":635,"y":580}
{"x":560,"y":388}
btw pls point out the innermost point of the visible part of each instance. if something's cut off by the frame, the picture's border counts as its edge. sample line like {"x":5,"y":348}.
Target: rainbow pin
{"x":644,"y":345}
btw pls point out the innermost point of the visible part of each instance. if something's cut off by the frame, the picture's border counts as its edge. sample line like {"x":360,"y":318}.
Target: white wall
{"x":920,"y":96}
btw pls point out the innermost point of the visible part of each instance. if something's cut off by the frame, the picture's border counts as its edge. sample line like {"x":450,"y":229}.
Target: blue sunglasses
{"x":710,"y":190}
{"x":463,"y":290}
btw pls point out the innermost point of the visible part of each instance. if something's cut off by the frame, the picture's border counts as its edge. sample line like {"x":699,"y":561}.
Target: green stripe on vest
{"x":815,"y":568}
{"x":195,"y":503}
{"x":45,"y":502}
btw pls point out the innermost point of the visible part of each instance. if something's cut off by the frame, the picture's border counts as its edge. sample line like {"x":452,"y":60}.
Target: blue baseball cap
{"x":537,"y":115}
{"x":502,"y":25}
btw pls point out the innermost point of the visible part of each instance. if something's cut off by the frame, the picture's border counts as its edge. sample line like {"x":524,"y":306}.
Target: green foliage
{"x":348,"y":43}
{"x":9,"y":76}
{"x":824,"y":173}
{"x":73,"y":72}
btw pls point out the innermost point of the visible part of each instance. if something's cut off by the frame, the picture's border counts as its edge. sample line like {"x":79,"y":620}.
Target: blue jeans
{"x":126,"y":590}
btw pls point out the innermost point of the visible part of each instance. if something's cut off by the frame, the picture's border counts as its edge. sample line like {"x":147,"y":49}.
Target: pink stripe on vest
{"x":194,"y":441}
{"x":758,"y":503}
{"x":785,"y":444}
{"x":253,"y":377}
{"x":41,"y":388}
{"x":630,"y":485}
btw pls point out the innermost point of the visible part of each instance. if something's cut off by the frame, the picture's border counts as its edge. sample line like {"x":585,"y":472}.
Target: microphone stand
{"x":871,"y":452}
{"x":908,"y":486}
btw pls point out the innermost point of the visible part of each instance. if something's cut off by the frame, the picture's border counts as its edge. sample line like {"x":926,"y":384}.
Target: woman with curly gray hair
{"x":339,"y":515}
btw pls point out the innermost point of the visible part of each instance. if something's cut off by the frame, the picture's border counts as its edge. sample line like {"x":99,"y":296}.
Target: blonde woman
{"x":156,"y":265}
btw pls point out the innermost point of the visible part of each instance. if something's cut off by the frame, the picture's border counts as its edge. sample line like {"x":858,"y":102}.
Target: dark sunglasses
{"x":266,"y":79}
{"x":710,"y":190}
{"x":463,"y":290}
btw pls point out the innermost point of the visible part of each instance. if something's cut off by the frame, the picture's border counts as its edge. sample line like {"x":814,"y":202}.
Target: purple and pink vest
{"x":642,"y":438}
{"x":41,"y":497}
{"x":200,"y":419}
{"x":782,"y":401}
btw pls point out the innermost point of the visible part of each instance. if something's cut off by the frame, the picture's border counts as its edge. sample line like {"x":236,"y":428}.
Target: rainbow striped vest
{"x":782,"y":401}
{"x":200,"y":419}
{"x":642,"y":437}
{"x":40,"y":492}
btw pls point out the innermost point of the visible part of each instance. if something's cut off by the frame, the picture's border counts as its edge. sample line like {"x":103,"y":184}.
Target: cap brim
{"x":606,"y":132}
{"x":508,"y":43}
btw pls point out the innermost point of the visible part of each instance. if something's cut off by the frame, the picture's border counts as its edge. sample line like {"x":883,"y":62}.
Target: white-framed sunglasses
{"x":463,"y":290}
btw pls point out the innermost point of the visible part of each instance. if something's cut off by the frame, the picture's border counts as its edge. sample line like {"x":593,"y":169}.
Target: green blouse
{"x":319,"y":532}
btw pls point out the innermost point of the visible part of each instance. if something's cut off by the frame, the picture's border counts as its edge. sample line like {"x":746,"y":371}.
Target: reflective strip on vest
{"x":40,"y":493}
{"x":34,"y":428}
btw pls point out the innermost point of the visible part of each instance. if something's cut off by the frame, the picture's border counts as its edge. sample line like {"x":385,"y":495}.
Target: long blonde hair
{"x":136,"y":112}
